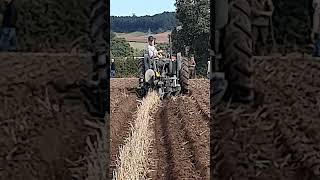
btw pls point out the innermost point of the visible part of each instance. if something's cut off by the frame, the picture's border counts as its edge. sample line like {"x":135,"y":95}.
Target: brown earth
{"x":123,"y":105}
{"x":42,"y":116}
{"x":181,"y":146}
{"x":131,"y":37}
{"x":280,"y":138}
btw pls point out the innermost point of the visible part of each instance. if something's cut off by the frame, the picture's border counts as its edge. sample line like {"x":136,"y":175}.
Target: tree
{"x":194,"y":17}
{"x":120,"y":48}
{"x":156,"y":23}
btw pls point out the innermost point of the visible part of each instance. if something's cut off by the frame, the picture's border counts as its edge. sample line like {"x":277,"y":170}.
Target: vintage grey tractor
{"x":167,"y":76}
{"x":232,"y":70}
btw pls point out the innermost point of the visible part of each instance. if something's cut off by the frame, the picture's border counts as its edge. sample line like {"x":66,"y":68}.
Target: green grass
{"x":137,"y":33}
{"x":133,"y":34}
{"x":119,"y":34}
{"x":138,"y":45}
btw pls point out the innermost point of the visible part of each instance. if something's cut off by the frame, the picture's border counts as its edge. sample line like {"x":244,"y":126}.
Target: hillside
{"x":156,"y":23}
{"x":142,"y":37}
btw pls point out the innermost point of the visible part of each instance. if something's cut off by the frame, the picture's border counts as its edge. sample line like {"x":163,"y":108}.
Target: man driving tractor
{"x":165,"y":73}
{"x":153,"y":53}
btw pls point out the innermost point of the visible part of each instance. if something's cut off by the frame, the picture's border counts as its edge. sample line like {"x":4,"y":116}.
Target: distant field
{"x":132,"y":34}
{"x":142,"y":37}
{"x":138,"y":45}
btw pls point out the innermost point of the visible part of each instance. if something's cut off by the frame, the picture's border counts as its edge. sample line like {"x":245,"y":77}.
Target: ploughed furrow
{"x":174,"y":151}
{"x":202,"y":108}
{"x":200,"y":92}
{"x":279,"y":139}
{"x":134,"y":155}
{"x":122,"y":108}
{"x":162,"y":152}
{"x":180,"y":144}
{"x":196,"y":132}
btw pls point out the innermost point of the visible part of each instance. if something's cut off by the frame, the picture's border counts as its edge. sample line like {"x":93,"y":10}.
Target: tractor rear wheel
{"x":237,"y":53}
{"x":96,"y":90}
{"x":141,"y":69}
{"x":184,"y":76}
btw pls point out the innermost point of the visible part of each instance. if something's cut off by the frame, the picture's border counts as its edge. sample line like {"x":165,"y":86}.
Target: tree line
{"x":194,"y":32}
{"x":156,"y":23}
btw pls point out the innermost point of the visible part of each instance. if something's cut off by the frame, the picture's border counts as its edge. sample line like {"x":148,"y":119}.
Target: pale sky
{"x":140,"y":7}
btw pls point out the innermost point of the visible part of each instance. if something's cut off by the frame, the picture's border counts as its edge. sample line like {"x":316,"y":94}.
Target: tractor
{"x":168,"y":76}
{"x":232,"y":75}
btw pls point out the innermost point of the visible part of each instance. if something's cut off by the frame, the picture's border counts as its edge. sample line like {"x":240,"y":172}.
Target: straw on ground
{"x":132,"y":163}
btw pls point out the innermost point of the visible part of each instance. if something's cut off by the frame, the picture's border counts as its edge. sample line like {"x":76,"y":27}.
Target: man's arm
{"x":155,"y":52}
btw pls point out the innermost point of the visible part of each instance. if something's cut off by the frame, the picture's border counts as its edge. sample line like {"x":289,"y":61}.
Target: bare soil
{"x":123,"y":106}
{"x":279,"y":139}
{"x":181,"y":146}
{"x":42,"y":114}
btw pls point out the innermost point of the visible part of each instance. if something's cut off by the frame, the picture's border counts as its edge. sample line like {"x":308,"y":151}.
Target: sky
{"x":140,"y":7}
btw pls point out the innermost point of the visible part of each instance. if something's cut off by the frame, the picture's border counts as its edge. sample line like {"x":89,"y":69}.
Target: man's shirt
{"x":152,"y":51}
